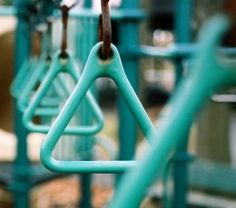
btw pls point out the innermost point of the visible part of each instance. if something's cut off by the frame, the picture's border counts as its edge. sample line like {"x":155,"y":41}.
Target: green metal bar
{"x":49,"y":104}
{"x":183,"y":34}
{"x":128,"y":38}
{"x":180,"y":159}
{"x":32,"y":81}
{"x":23,"y":75}
{"x":130,"y":4}
{"x":117,"y":14}
{"x":183,"y":16}
{"x":113,"y":69}
{"x":57,"y":66}
{"x":175,"y":51}
{"x":87,"y":4}
{"x":85,"y":187}
{"x":179,"y":113}
{"x":7,"y":11}
{"x":127,"y":13}
{"x":171,"y":52}
{"x":22,"y":171}
{"x":86,"y":117}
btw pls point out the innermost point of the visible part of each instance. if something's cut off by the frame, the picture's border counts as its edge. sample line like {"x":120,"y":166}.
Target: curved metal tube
{"x":58,"y":66}
{"x":95,"y":68}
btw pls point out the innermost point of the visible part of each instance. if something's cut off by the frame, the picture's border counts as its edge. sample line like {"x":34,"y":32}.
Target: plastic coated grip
{"x":95,"y":68}
{"x":57,"y":66}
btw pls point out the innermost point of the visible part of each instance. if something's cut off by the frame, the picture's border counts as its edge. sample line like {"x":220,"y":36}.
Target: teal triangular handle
{"x":94,"y":69}
{"x":36,"y":78}
{"x":57,"y":66}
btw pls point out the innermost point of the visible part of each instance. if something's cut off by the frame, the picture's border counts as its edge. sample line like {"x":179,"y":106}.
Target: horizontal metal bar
{"x":121,"y":14}
{"x":89,"y":166}
{"x":213,"y":176}
{"x":7,"y":11}
{"x":224,"y":98}
{"x":230,"y":52}
{"x":134,"y":14}
{"x":172,"y":52}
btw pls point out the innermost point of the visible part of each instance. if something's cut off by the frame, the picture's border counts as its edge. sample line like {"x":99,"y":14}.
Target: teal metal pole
{"x":22,"y":169}
{"x":183,"y":16}
{"x":128,"y":38}
{"x":180,"y":159}
{"x":86,"y":179}
{"x":88,"y":4}
{"x":7,"y":11}
{"x":179,"y":113}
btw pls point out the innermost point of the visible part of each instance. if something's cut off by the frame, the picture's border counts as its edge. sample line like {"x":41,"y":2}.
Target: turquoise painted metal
{"x":183,"y":17}
{"x":59,"y":65}
{"x":128,"y":38}
{"x":37,"y":76}
{"x":7,"y":11}
{"x":22,"y":171}
{"x":180,"y":160}
{"x":58,"y":90}
{"x":86,"y":36}
{"x":39,"y":72}
{"x":128,"y":17}
{"x":208,"y":74}
{"x":94,"y":68}
{"x":117,"y":14}
{"x":22,"y":76}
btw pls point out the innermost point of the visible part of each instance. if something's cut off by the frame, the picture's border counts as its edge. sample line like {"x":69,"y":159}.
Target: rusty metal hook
{"x":65,"y":7}
{"x":105,"y":33}
{"x":65,"y":16}
{"x":49,"y":39}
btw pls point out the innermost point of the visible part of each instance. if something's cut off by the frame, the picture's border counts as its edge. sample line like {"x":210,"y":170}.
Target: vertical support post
{"x":22,"y":169}
{"x":183,"y":16}
{"x":86,"y":179}
{"x":87,"y":3}
{"x":128,"y":38}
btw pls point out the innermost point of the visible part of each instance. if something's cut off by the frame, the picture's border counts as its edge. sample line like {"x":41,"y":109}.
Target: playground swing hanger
{"x":43,"y":64}
{"x":103,"y":61}
{"x":104,"y":31}
{"x":30,"y":63}
{"x":37,"y":76}
{"x":62,"y":62}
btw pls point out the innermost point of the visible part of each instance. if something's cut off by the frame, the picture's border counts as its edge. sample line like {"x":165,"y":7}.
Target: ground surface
{"x":61,"y":193}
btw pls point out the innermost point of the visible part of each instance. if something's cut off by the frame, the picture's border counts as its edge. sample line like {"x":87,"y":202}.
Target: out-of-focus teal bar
{"x":7,"y":11}
{"x":174,"y":51}
{"x":136,"y":14}
{"x":171,"y":52}
{"x":91,"y":166}
{"x":179,"y":113}
{"x":113,"y":69}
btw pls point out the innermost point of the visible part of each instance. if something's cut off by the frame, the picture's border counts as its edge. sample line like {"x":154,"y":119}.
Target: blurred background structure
{"x":147,"y":34}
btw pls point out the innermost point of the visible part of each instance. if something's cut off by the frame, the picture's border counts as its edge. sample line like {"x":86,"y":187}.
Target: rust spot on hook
{"x":105,"y":33}
{"x":65,"y":17}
